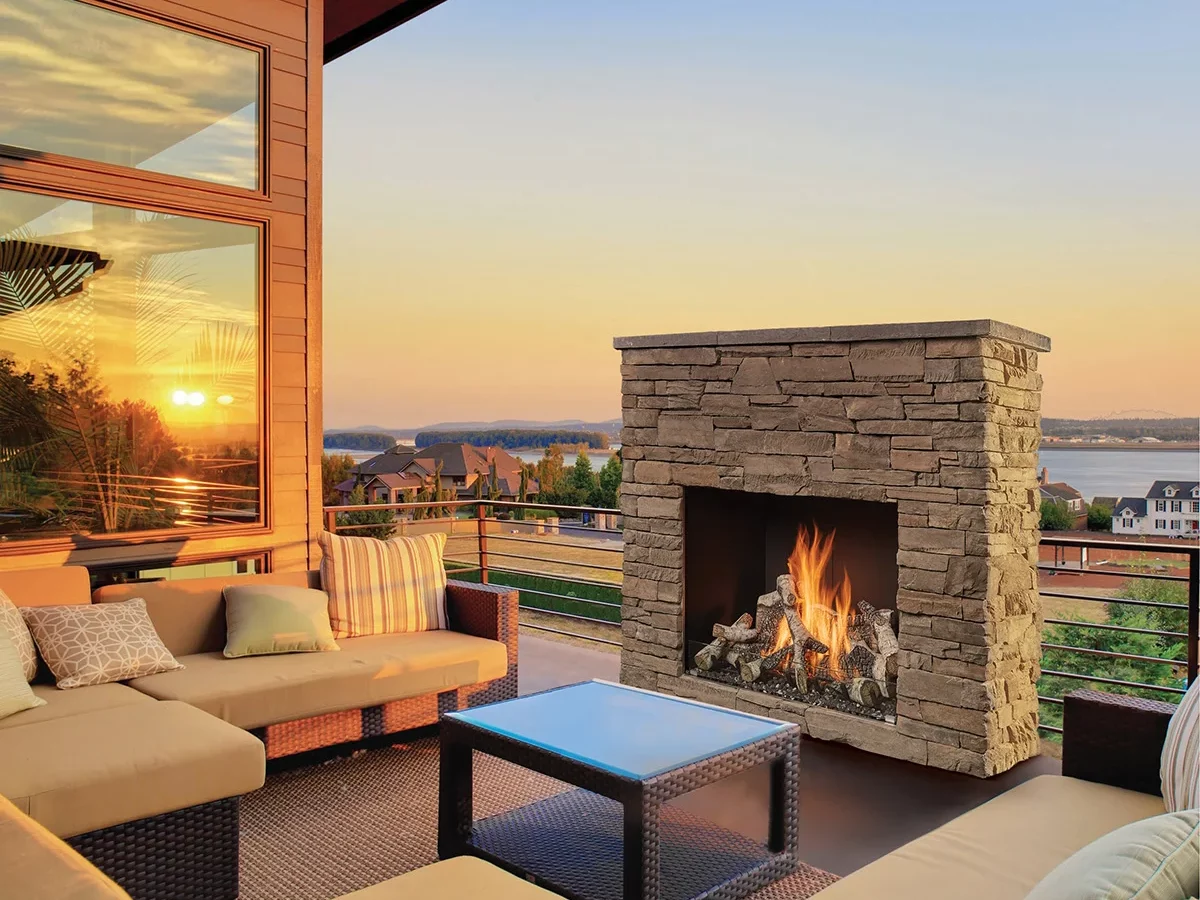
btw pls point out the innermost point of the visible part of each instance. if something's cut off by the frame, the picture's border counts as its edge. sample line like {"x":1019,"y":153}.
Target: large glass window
{"x":82,"y":81}
{"x":130,"y":356}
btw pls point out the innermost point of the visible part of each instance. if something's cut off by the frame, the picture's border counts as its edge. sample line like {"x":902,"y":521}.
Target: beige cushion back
{"x":189,"y":614}
{"x":57,"y":586}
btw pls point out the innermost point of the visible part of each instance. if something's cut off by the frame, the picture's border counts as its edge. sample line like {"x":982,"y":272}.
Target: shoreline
{"x":1172,"y":446}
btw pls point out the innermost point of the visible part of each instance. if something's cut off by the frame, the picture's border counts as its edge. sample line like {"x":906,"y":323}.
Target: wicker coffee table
{"x":627,"y":752}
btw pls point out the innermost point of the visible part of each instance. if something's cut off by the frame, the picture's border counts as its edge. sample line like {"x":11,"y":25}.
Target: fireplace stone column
{"x":942,"y":419}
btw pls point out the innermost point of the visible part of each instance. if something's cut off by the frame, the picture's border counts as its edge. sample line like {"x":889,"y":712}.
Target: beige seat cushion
{"x":1002,"y":849}
{"x":460,"y":878}
{"x":61,"y":703}
{"x":38,"y":866}
{"x":88,"y":771}
{"x":254,"y":691}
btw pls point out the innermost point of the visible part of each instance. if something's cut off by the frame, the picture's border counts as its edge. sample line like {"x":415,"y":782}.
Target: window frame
{"x":83,"y":166}
{"x":264,"y":525}
{"x":97,"y":570}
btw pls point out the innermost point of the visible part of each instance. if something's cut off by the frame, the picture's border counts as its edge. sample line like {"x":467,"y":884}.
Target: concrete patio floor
{"x":854,"y":806}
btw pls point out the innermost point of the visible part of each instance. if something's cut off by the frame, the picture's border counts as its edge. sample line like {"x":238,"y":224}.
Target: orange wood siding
{"x":292,"y":34}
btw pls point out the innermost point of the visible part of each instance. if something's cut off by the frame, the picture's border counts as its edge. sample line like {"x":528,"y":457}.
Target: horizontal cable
{"x":1121,"y":600}
{"x":1143,"y":576}
{"x":1112,"y":654}
{"x":571,"y":579}
{"x":583,"y":637}
{"x":1053,"y":729}
{"x":1186,"y":550}
{"x":1101,"y":627}
{"x":1074,"y":676}
{"x":609,"y":603}
{"x":620,"y":548}
{"x":562,"y":524}
{"x":557,"y":562}
{"x":1057,"y":701}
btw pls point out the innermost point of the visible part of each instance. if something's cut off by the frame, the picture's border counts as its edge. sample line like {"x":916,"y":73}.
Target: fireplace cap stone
{"x":838,"y":333}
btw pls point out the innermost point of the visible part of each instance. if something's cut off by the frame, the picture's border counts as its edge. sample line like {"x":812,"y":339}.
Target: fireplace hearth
{"x":793,"y":597}
{"x":838,"y":527}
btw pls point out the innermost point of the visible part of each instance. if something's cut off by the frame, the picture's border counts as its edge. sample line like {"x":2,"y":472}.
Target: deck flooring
{"x":854,"y":806}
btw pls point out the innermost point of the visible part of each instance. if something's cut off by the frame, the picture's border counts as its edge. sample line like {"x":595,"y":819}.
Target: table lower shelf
{"x":572,"y":842}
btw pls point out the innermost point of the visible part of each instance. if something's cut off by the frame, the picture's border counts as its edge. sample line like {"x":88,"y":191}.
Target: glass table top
{"x":630,"y":732}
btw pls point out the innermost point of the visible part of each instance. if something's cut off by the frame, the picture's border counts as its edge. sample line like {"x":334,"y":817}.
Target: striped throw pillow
{"x":383,"y":587}
{"x":1181,"y":755}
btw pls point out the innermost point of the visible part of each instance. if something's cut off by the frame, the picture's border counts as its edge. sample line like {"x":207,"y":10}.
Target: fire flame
{"x":825,"y":606}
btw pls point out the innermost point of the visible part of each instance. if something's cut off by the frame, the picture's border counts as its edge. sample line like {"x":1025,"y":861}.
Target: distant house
{"x":1062,"y":493}
{"x":395,"y":475}
{"x":1169,"y":509}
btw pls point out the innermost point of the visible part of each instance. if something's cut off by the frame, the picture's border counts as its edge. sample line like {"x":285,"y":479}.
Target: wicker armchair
{"x":1114,"y":739}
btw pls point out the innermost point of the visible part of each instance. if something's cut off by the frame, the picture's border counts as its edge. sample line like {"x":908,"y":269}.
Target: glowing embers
{"x":810,"y":637}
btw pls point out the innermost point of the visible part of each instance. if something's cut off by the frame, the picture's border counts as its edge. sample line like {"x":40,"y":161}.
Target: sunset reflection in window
{"x":129,"y":370}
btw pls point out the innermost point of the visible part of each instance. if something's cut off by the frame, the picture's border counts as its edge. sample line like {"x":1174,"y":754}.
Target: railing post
{"x":331,"y":521}
{"x":481,"y":519}
{"x":1193,"y":614}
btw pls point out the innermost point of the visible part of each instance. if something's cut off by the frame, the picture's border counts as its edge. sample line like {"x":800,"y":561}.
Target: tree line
{"x":576,"y":485}
{"x":1163,"y":429}
{"x":358,"y":440}
{"x":514,"y":438}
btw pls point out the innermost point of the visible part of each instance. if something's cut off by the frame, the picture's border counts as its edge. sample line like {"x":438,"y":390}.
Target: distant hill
{"x":610,"y":427}
{"x":1169,"y":429}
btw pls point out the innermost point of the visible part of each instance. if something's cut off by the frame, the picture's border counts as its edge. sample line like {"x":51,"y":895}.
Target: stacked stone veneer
{"x":941,"y":419}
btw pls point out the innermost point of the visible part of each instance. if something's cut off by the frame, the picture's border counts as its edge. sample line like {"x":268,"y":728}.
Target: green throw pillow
{"x":15,"y":692}
{"x":261,"y":619}
{"x":1154,"y":859}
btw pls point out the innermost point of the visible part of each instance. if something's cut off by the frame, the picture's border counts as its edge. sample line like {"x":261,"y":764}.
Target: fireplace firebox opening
{"x":793,"y":596}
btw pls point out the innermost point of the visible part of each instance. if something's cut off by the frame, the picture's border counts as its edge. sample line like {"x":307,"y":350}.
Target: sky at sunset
{"x":508,"y":186}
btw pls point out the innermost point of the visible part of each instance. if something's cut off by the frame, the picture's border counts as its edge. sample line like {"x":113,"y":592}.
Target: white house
{"x":1169,"y":509}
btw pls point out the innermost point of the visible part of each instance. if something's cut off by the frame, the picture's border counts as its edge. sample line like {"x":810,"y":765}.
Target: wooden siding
{"x":291,"y":35}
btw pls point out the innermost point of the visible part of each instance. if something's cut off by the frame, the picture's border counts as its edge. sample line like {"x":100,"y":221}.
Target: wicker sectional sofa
{"x":143,"y":778}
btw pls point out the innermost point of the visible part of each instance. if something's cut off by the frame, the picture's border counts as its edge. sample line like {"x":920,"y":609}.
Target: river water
{"x":1119,"y":473}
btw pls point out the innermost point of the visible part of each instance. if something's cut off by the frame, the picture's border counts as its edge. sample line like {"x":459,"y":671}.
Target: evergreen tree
{"x":583,"y":479}
{"x":1055,"y":517}
{"x":522,"y":494}
{"x":383,"y":520}
{"x":607,"y":493}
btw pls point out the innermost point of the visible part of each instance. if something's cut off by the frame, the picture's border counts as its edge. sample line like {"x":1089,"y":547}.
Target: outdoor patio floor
{"x":319,"y":831}
{"x":854,"y":806}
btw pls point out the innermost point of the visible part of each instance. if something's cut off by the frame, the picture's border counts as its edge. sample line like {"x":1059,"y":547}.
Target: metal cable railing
{"x":574,"y":577}
{"x":1168,"y":622}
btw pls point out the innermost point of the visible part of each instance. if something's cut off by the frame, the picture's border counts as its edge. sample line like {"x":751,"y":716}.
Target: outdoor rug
{"x":323,"y":831}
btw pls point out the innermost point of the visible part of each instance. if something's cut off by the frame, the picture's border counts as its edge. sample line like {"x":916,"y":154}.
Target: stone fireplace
{"x":887,"y":471}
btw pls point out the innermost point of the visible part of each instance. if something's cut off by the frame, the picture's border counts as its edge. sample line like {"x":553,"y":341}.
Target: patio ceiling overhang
{"x":351,"y":23}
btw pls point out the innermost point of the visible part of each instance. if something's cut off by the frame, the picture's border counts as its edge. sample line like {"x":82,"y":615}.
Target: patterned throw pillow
{"x":18,"y":632}
{"x":15,"y":692}
{"x":1180,"y":768}
{"x":98,"y":643}
{"x":384,"y":587}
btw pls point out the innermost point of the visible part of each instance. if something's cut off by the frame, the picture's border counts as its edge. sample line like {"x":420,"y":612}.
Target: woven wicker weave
{"x":322,"y":831}
{"x":192,"y":853}
{"x":475,"y":609}
{"x":1115,"y":739}
{"x":635,"y":851}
